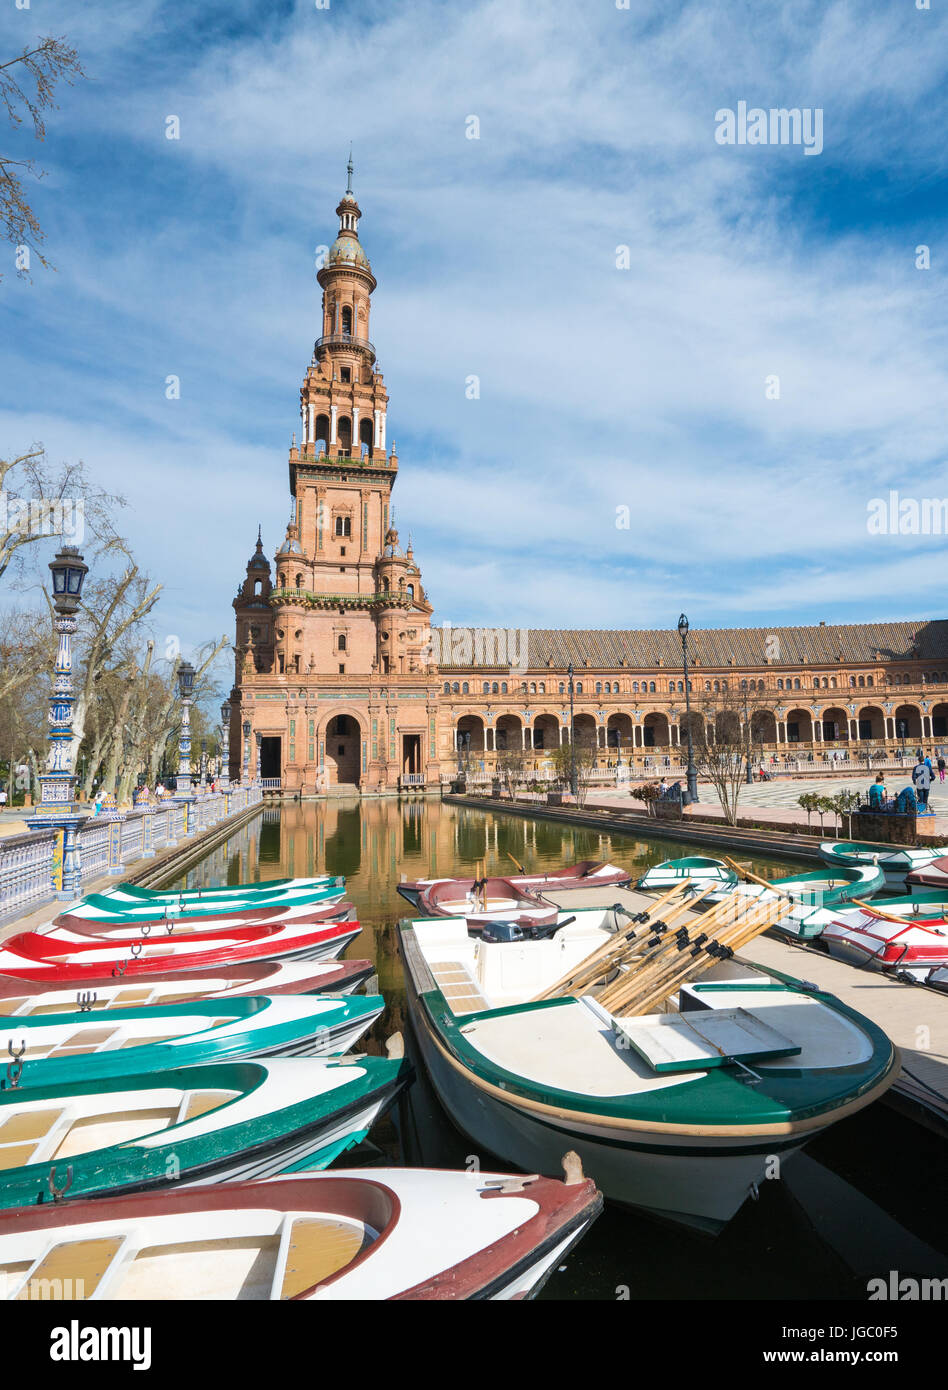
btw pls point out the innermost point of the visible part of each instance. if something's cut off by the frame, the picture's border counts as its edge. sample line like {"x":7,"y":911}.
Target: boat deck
{"x":915,"y":1017}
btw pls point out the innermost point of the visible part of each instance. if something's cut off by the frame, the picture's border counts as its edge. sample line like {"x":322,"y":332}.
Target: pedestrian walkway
{"x":777,"y":801}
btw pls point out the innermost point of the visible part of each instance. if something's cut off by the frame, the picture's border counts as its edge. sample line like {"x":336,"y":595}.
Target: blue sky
{"x":599,"y":387}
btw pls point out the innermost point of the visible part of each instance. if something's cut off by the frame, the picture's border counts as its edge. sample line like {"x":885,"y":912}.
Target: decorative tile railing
{"x":26,"y":866}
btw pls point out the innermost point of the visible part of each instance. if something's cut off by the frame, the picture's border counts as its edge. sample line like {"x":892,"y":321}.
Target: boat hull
{"x":700,"y":1183}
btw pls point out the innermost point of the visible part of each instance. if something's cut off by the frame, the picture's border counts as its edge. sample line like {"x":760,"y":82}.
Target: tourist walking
{"x":941,"y":769}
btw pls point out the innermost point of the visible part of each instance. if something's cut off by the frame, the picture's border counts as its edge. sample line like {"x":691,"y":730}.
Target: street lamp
{"x":225,"y":746}
{"x":749,"y":776}
{"x":58,"y":783}
{"x":572,"y":734}
{"x":692,"y":774}
{"x":245,"y":777}
{"x":185,"y":690}
{"x":203,"y":763}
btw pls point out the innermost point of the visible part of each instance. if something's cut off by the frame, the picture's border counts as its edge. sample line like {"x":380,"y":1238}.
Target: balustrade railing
{"x":106,"y":842}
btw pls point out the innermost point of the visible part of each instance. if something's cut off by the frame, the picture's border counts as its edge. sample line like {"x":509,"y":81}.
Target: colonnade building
{"x":342,"y":683}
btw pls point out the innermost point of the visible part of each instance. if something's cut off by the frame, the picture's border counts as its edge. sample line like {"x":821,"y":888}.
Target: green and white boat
{"x":100,"y":907}
{"x":816,"y":896}
{"x":63,"y":1048}
{"x":132,"y":894}
{"x":700,"y":870}
{"x":677,"y":1116}
{"x":203,"y":1124}
{"x":895,"y":861}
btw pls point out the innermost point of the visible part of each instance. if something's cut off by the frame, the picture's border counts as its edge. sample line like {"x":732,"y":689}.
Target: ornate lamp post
{"x":225,"y":746}
{"x":692,"y":774}
{"x":259,"y":739}
{"x":572,"y":734}
{"x":58,"y":783}
{"x":203,"y":764}
{"x":749,"y":776}
{"x":245,"y":776}
{"x":185,"y":690}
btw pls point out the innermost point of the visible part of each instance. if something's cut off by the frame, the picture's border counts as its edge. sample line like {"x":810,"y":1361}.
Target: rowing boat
{"x":390,"y":1233}
{"x":82,"y":1046}
{"x":931,"y":875}
{"x":485,"y":900}
{"x":131,"y":893}
{"x":72,"y":958}
{"x":900,"y":937}
{"x":816,"y":896}
{"x":587,"y":873}
{"x":21,"y":997}
{"x":895,"y":861}
{"x":680,"y":1122}
{"x":200,"y":1124}
{"x":335,"y":910}
{"x":98,"y":907}
{"x":699,"y":870}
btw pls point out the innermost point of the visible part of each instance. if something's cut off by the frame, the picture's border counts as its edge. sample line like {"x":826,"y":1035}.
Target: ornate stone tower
{"x":347,"y":619}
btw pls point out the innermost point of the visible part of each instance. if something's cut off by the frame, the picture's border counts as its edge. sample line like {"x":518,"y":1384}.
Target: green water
{"x":850,"y":1208}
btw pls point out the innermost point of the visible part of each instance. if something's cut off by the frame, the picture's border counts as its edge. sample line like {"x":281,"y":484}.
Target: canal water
{"x":863,"y":1199}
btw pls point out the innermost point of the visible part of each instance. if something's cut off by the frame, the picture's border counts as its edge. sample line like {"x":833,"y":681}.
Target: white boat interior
{"x":475,"y":974}
{"x":42,"y":1130}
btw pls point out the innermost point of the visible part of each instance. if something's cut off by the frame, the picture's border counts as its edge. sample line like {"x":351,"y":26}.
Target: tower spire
{"x":349,"y":171}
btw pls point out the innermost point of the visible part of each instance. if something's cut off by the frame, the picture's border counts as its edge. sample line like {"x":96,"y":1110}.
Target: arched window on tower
{"x":365,"y":436}
{"x":347,"y":319}
{"x":258,"y":586}
{"x":299,"y":581}
{"x":322,"y":434}
{"x":410,"y":591}
{"x":344,"y":429}
{"x":342,"y":641}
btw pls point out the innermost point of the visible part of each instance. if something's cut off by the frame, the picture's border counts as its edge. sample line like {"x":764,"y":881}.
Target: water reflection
{"x":848,"y":1210}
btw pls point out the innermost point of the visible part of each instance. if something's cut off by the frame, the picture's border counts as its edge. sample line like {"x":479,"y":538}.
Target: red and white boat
{"x":383,"y":1233}
{"x":933,"y":875}
{"x":19,"y":997}
{"x":72,"y":958}
{"x":900,"y":942}
{"x":486,"y":900}
{"x":587,"y":873}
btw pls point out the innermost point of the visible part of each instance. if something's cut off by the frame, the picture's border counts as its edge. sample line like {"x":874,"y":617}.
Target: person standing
{"x":922,"y":777}
{"x":941,"y":769}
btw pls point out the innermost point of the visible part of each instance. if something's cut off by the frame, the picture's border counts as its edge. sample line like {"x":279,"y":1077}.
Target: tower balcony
{"x":348,"y":341}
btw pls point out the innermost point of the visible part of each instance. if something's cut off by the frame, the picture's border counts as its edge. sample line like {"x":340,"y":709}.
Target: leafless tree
{"x":27,"y":89}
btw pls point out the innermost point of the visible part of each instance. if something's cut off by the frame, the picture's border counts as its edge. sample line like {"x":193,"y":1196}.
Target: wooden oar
{"x":874,"y":911}
{"x":616,"y":945}
{"x":517,"y":862}
{"x":756,"y":878}
{"x":641,"y":996}
{"x":665,"y":951}
{"x":646,"y":1003}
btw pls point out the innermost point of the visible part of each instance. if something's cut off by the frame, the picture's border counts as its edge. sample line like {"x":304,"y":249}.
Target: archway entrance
{"x":343,"y":750}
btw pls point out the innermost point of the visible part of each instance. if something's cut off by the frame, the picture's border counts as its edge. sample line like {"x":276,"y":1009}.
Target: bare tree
{"x":42,"y":501}
{"x":27,"y":89}
{"x":581,"y":758}
{"x":721,"y":746}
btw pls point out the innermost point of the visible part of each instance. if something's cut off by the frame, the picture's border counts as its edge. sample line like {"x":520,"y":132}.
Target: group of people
{"x":923,"y":775}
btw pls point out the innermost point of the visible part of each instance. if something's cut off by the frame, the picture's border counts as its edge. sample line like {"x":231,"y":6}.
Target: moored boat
{"x":524,"y":1076}
{"x":70,"y":957}
{"x":21,"y":997}
{"x":696,"y":868}
{"x":895,"y":861}
{"x":82,"y":1046}
{"x":130,"y":892}
{"x":389,"y":1233}
{"x":487,"y":899}
{"x":97,"y":907}
{"x":587,"y":873}
{"x":816,"y":896}
{"x":934,"y":874}
{"x":199,"y":1124}
{"x":899,"y":936}
{"x":334,"y":910}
